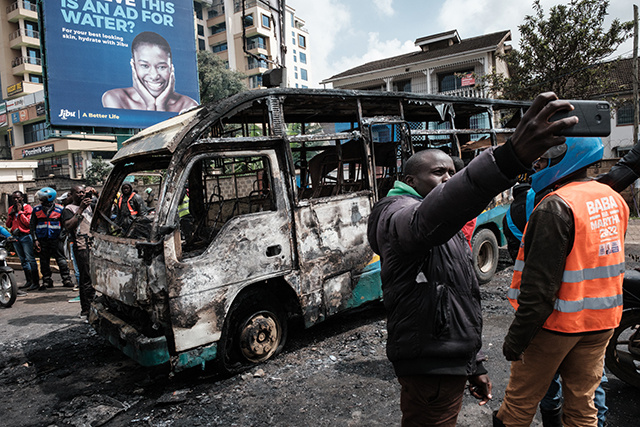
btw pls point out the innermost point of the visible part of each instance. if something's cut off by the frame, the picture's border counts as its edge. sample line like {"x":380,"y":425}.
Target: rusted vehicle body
{"x":261,"y":217}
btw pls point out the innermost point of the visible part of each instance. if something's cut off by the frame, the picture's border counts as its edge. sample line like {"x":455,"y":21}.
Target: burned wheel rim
{"x":260,"y":336}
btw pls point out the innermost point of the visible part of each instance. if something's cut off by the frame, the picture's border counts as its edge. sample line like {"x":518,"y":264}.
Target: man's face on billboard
{"x":153,"y":66}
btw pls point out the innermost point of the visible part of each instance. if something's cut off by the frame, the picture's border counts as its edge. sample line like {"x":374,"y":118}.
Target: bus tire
{"x":255,"y":331}
{"x":485,"y":255}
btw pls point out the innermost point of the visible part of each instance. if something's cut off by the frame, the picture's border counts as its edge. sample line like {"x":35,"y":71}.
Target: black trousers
{"x":431,"y":400}
{"x":86,"y":288}
{"x":52,"y":248}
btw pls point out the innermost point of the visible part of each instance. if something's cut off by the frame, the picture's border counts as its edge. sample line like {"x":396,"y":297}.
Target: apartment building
{"x":24,"y":134}
{"x":246,"y":35}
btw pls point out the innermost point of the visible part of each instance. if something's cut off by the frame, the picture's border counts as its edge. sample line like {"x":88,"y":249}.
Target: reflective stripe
{"x":513,"y":293}
{"x":603,"y":272}
{"x":601,"y":303}
{"x":519,"y":265}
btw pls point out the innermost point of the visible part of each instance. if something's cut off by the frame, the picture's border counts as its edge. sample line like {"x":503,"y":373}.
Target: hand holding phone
{"x":594,"y":118}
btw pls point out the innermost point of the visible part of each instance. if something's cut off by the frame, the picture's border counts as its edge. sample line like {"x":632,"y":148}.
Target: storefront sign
{"x":14,"y":89}
{"x":36,"y":151}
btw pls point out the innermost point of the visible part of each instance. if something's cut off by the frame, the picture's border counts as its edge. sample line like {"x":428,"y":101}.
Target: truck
{"x":261,"y":217}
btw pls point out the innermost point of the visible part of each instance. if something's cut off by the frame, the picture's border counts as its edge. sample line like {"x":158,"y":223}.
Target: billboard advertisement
{"x":119,"y":63}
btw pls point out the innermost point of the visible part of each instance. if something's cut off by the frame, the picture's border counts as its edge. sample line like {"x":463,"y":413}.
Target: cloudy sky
{"x":347,"y":33}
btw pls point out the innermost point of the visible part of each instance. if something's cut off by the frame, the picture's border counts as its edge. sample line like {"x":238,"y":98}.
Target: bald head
{"x":427,"y":169}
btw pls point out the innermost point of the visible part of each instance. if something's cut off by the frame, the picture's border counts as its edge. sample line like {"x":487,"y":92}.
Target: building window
{"x":33,"y":78}
{"x":295,"y":58}
{"x":624,"y":115}
{"x":255,"y":81}
{"x":266,"y":22}
{"x":200,"y":30}
{"x":248,"y":20}
{"x":296,"y":85}
{"x":303,"y":74}
{"x":295,"y":68}
{"x":58,"y":166}
{"x":452,"y":81}
{"x":219,"y":47}
{"x":402,"y":86}
{"x":293,"y":39}
{"x":201,"y":44}
{"x":215,"y":29}
{"x":77,"y":165}
{"x":197,"y":7}
{"x":34,"y":132}
{"x":292,"y":24}
{"x":302,"y":41}
{"x":303,"y":57}
{"x":304,"y":87}
{"x":256,"y":42}
{"x":255,"y":63}
{"x":295,"y":75}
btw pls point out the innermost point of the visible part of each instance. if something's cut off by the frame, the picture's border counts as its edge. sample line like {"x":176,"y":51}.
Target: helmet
{"x":46,"y":194}
{"x":567,"y":158}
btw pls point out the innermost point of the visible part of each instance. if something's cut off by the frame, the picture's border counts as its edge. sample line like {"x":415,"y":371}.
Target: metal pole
{"x":635,"y":74}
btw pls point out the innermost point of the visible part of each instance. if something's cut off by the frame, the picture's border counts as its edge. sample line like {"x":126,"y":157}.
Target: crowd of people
{"x":58,"y":227}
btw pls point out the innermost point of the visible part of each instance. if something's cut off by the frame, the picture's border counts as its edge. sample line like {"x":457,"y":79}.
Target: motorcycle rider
{"x":46,"y":228}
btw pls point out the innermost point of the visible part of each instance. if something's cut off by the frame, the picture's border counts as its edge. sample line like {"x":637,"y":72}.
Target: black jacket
{"x":429,"y":287}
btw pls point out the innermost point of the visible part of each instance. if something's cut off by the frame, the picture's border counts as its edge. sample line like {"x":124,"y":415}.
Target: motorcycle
{"x":623,"y":352}
{"x":8,"y":285}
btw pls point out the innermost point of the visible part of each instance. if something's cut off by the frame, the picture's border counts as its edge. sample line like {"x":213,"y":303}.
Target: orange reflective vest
{"x":131,"y":210}
{"x":590,"y":296}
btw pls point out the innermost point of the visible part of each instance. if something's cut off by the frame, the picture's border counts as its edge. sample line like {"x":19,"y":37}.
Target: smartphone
{"x":594,"y":118}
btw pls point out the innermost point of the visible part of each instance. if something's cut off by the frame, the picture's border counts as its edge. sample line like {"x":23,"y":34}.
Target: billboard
{"x":119,"y":63}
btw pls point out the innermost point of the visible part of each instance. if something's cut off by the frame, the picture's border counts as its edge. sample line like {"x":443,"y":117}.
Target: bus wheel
{"x":255,"y":331}
{"x":485,"y":255}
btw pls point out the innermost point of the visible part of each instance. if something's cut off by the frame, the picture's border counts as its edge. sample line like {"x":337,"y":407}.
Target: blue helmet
{"x":567,"y":158}
{"x":46,"y":194}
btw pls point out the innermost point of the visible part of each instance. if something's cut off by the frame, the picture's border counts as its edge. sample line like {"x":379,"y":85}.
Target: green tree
{"x":216,"y":80}
{"x":563,"y":53}
{"x":98,"y":171}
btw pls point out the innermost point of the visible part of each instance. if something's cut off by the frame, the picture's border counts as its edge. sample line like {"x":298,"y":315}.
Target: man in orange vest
{"x":566,"y":288}
{"x":128,"y":206}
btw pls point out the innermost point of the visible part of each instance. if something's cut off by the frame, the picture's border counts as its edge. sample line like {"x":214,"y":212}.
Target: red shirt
{"x":19,"y":220}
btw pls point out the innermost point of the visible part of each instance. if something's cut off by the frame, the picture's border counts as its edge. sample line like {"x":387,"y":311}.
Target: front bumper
{"x":144,"y":350}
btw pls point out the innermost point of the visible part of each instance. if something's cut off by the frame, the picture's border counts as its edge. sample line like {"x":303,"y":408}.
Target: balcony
{"x":466,"y":92}
{"x":24,"y":37}
{"x":261,"y":65}
{"x":23,"y":9}
{"x":26,"y":64}
{"x":256,"y":45}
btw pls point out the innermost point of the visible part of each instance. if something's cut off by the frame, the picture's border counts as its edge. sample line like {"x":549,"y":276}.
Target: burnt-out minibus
{"x":261,"y":215}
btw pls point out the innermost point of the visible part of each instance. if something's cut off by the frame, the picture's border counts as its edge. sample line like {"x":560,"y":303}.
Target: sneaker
{"x":21,"y":293}
{"x":33,"y":287}
{"x":76,"y":299}
{"x":26,"y":285}
{"x":42,"y":288}
{"x":76,"y":288}
{"x":68,"y":285}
